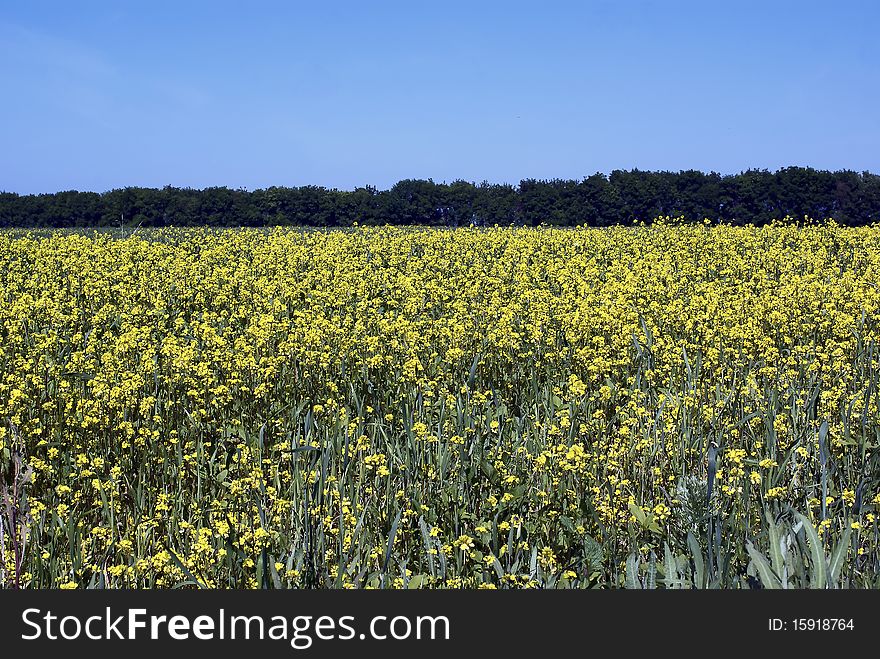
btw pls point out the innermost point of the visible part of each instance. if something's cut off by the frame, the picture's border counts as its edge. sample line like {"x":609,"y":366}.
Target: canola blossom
{"x":405,"y":407}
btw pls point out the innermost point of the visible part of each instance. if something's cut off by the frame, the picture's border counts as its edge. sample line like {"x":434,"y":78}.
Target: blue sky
{"x":100,"y":95}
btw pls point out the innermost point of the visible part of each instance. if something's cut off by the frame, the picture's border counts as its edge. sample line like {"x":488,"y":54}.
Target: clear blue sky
{"x":99,"y":95}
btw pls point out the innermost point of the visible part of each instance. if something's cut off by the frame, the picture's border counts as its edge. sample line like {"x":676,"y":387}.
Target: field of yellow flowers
{"x":405,"y":407}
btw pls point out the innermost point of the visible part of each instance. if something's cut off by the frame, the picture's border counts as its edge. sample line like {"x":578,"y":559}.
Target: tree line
{"x":623,"y":197}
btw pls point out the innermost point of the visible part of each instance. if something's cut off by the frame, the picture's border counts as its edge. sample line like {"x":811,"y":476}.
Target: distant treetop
{"x":623,"y":197}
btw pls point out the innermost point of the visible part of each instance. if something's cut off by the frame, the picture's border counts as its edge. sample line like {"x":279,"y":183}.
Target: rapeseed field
{"x":657,"y":406}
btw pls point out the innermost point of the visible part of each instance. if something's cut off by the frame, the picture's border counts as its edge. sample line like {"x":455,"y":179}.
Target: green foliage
{"x":798,"y":555}
{"x":624,"y":197}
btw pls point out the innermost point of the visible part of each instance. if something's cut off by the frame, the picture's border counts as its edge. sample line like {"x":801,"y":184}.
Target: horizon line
{"x":453,"y":181}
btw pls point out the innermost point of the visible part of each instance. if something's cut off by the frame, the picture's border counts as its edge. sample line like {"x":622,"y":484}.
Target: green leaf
{"x":776,"y":555}
{"x":488,"y":469}
{"x":670,"y":569}
{"x":651,"y":577}
{"x":699,"y":564}
{"x":823,"y":449}
{"x":632,"y":572}
{"x":417,"y":581}
{"x":390,"y":545}
{"x":817,"y":550}
{"x":768,"y":578}
{"x":638,"y":513}
{"x":838,"y":556}
{"x":593,"y":552}
{"x":823,"y":431}
{"x":473,"y":372}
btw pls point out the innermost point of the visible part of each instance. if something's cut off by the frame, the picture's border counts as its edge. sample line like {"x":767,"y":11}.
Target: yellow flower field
{"x":388,"y":407}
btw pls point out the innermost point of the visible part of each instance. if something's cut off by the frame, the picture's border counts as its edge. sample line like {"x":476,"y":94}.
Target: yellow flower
{"x":464,"y":543}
